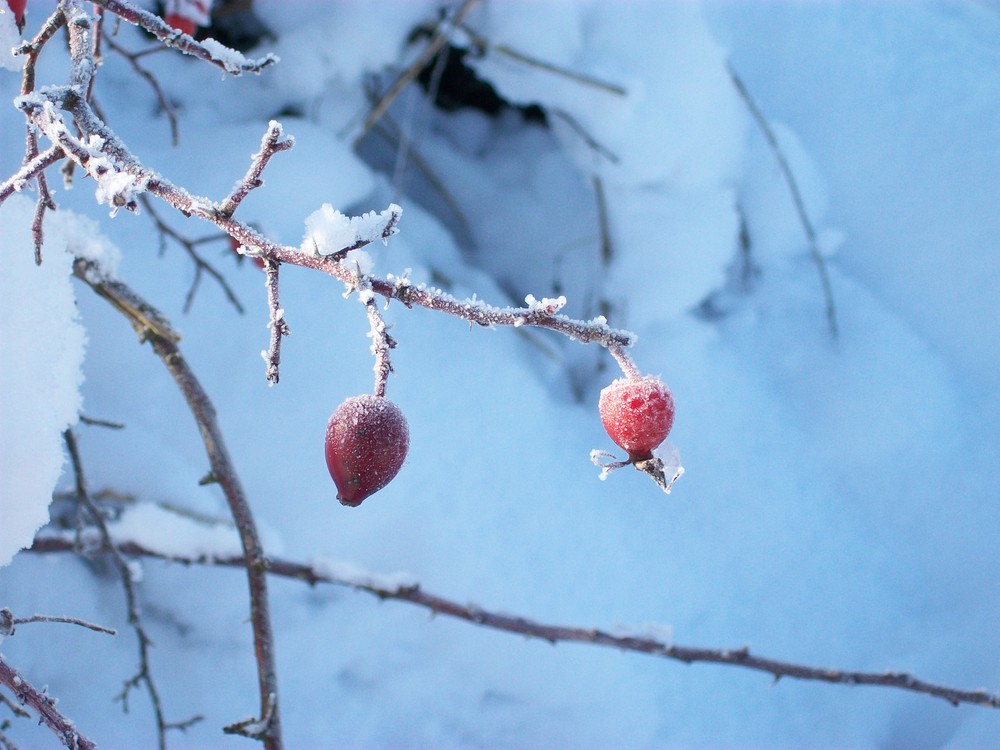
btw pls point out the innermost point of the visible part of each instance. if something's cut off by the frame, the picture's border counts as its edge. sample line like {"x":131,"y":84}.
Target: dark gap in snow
{"x":455,"y":85}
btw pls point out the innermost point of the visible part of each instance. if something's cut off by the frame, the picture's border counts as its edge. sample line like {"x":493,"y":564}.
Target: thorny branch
{"x":144,"y":675}
{"x":276,"y":322}
{"x":412,"y":593}
{"x":382,"y":342}
{"x":45,"y":706}
{"x":164,"y":342}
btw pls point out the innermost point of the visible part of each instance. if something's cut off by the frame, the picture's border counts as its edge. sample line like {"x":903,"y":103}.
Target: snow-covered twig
{"x":209,"y":50}
{"x":270,"y":144}
{"x":45,"y":706}
{"x":388,"y":587}
{"x":382,"y":342}
{"x":222,"y":471}
{"x":796,"y":193}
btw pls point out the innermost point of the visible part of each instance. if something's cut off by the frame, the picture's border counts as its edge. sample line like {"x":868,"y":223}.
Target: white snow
{"x":39,"y":383}
{"x":9,"y":39}
{"x":329,"y":231}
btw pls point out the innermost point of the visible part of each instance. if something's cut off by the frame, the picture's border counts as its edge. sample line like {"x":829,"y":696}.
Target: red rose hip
{"x":366,"y":443}
{"x":638,"y":414}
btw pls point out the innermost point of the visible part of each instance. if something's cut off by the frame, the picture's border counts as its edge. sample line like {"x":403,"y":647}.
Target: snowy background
{"x":840,"y":501}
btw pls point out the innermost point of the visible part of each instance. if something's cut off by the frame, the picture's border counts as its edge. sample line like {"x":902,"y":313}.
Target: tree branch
{"x":222,"y":471}
{"x":45,"y":706}
{"x":385,"y":588}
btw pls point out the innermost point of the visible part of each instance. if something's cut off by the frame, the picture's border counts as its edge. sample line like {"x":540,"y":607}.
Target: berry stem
{"x":382,"y":342}
{"x":624,"y":361}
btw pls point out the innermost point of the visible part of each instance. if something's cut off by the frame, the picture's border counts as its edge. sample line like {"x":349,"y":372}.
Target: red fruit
{"x":366,"y":443}
{"x":17,"y":8}
{"x":182,"y":23}
{"x":638,"y":414}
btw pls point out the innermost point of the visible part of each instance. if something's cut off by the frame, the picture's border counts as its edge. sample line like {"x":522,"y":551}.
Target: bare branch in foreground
{"x":45,"y":706}
{"x":144,"y":675}
{"x":164,"y":343}
{"x":384,"y":588}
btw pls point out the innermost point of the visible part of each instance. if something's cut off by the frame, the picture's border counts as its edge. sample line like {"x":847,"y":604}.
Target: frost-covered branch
{"x":272,"y":142}
{"x":276,"y":321}
{"x":139,"y":313}
{"x":8,"y":621}
{"x":208,"y":50}
{"x":45,"y":706}
{"x":405,"y":590}
{"x":382,"y":342}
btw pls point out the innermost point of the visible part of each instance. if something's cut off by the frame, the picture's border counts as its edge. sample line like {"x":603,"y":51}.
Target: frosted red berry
{"x":638,"y":414}
{"x":17,"y":8}
{"x":366,"y":443}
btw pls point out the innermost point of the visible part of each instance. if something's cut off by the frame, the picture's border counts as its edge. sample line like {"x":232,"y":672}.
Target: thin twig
{"x":233,"y":63}
{"x":222,"y":470}
{"x":93,"y":422}
{"x":270,"y":144}
{"x":45,"y":706}
{"x":502,"y":49}
{"x":406,"y":77}
{"x":412,"y":593}
{"x":144,"y":675}
{"x":66,"y":620}
{"x":16,"y":709}
{"x":796,"y":193}
{"x":200,"y":264}
{"x":165,"y":104}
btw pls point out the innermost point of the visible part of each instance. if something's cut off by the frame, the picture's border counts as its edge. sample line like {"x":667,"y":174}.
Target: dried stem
{"x":796,"y":193}
{"x":406,"y":77}
{"x":414,"y":594}
{"x":139,"y":313}
{"x":485,"y":44}
{"x":45,"y":706}
{"x":144,"y":675}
